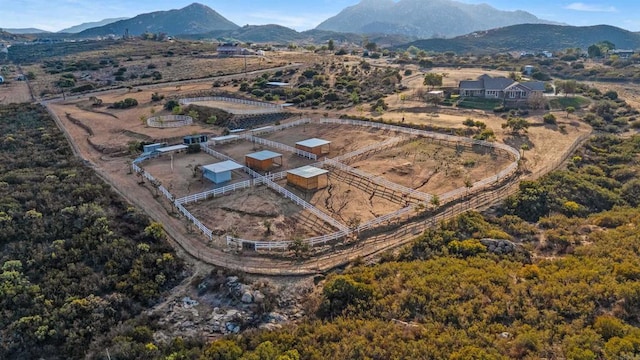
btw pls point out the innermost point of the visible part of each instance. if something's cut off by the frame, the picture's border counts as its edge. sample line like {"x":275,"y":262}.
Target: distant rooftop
{"x":227,"y":137}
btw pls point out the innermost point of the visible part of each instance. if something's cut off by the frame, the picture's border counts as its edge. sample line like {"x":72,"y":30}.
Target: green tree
{"x":432,"y":80}
{"x":516,"y":124}
{"x":570,"y":110}
{"x":330,"y":45}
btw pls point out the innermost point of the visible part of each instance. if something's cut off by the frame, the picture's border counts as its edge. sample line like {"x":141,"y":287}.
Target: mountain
{"x":84,"y":26}
{"x":193,"y":19}
{"x":423,"y":18}
{"x":532,"y":37}
{"x":26,"y":31}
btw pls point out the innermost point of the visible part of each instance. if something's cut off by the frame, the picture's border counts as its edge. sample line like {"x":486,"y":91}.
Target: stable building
{"x":263,"y":160}
{"x":194,"y":139}
{"x":220,"y":172}
{"x":314,"y":146}
{"x":308,"y":178}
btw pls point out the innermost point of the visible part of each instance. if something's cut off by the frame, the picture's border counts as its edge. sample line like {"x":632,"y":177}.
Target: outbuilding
{"x":263,"y":160}
{"x":308,"y":178}
{"x":315,"y":146}
{"x":194,"y":139}
{"x":220,"y":172}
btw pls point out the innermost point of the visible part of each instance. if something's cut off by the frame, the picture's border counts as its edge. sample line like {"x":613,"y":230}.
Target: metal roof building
{"x":262,"y":160}
{"x":308,"y":177}
{"x":315,"y":146}
{"x":220,"y":172}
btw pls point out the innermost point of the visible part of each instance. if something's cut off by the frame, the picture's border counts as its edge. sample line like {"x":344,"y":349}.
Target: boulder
{"x":247,"y":297}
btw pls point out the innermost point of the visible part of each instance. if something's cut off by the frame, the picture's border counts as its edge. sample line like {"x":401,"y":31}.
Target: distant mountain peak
{"x":423,"y":18}
{"x":195,"y":18}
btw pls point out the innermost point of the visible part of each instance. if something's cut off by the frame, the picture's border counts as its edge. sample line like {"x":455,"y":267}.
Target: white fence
{"x":215,"y":192}
{"x":343,"y":231}
{"x":279,"y":146}
{"x":380,"y":181}
{"x":170,"y":121}
{"x":266,"y":108}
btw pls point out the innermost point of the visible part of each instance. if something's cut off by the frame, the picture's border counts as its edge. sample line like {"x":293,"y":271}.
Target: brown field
{"x":180,"y":179}
{"x":345,"y":202}
{"x":14,"y":92}
{"x":233,"y":108}
{"x":433,"y":168}
{"x":344,"y":138}
{"x":246,"y":214}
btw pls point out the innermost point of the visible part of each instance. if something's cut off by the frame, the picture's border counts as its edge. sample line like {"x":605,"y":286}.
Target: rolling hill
{"x":193,"y":19}
{"x":532,"y":37}
{"x":84,"y":26}
{"x":423,"y":18}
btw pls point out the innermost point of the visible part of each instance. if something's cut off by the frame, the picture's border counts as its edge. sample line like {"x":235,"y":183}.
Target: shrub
{"x":125,"y":104}
{"x":156,"y":97}
{"x":169,"y":105}
{"x":549,"y":118}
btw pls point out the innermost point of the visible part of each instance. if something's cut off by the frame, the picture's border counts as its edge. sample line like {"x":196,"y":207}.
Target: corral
{"x":271,"y":210}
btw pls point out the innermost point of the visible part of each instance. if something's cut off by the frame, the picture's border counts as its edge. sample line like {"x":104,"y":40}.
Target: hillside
{"x":423,"y":19}
{"x":532,"y":37}
{"x":24,"y":31}
{"x":88,"y":25}
{"x":193,"y":19}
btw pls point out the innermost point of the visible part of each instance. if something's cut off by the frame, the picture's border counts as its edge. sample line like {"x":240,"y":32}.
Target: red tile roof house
{"x":499,"y":88}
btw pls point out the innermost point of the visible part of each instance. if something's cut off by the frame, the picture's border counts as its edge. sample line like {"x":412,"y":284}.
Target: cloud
{"x":578,"y":6}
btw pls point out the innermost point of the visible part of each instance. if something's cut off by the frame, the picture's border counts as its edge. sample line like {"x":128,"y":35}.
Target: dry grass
{"x":14,"y":92}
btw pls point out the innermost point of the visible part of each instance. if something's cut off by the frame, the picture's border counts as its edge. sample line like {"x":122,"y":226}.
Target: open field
{"x":14,"y":92}
{"x":234,"y":108}
{"x":433,"y":168}
{"x":258,"y":213}
{"x":344,"y":138}
{"x":182,"y":175}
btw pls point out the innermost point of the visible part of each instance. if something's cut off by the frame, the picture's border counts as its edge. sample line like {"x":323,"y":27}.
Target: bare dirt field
{"x":14,"y":92}
{"x":234,"y":108}
{"x":238,"y":149}
{"x":183,"y":175}
{"x":346,"y":202}
{"x":433,"y":168}
{"x":258,"y":213}
{"x":344,"y":138}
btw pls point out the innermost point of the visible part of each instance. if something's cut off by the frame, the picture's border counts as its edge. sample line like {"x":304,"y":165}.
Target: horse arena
{"x":375,"y":174}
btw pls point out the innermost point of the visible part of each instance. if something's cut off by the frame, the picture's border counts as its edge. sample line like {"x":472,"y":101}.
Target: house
{"x":262,"y":160}
{"x":499,"y":88}
{"x":315,"y":146}
{"x":229,"y":49}
{"x":220,"y":172}
{"x":308,"y":178}
{"x":621,"y":53}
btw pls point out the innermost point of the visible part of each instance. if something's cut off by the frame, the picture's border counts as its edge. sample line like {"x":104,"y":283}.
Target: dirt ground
{"x":14,"y":92}
{"x":433,"y":168}
{"x":180,"y":179}
{"x":344,"y":138}
{"x":346,"y":202}
{"x":233,"y":108}
{"x":258,"y":213}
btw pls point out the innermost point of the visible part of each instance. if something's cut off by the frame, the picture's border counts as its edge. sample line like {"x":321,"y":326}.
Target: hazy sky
{"x":54,"y":15}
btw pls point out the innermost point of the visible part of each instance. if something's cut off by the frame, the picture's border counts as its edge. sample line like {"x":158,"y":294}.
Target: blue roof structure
{"x":264,"y":155}
{"x":222,"y":167}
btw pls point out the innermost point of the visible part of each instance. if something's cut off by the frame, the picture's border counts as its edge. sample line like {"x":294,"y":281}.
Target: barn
{"x":220,"y":172}
{"x":263,"y":160}
{"x":308,"y":178}
{"x":315,"y":146}
{"x":194,"y":139}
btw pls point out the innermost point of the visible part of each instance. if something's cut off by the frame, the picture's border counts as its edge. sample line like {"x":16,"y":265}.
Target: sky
{"x":54,"y":15}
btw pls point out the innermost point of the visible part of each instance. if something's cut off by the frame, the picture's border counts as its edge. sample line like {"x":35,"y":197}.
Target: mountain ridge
{"x":192,"y":19}
{"x":88,"y":25}
{"x":424,"y":19}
